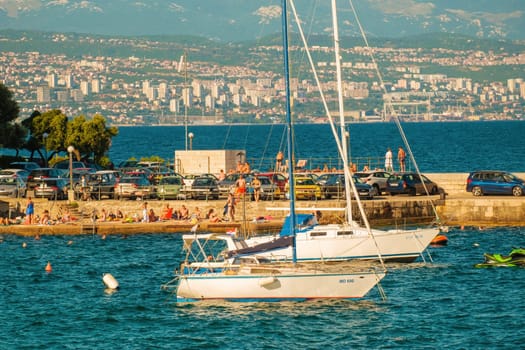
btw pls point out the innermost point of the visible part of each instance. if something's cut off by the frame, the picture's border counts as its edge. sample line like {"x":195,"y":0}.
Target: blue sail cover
{"x":304,"y":221}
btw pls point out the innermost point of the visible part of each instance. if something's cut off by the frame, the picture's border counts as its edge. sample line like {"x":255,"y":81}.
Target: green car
{"x":169,"y":187}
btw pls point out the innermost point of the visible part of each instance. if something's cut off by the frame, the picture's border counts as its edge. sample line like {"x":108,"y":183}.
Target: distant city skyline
{"x":237,"y":20}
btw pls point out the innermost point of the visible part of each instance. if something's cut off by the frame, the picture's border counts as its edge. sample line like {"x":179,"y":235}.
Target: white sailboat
{"x":338,"y":241}
{"x":210,"y":279}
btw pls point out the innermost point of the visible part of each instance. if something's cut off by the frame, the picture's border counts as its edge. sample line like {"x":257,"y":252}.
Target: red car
{"x":277,"y":178}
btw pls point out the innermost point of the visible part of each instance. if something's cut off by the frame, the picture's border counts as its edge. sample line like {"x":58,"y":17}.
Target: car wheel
{"x":476,"y":191}
{"x":412,"y":192}
{"x":517,"y":191}
{"x":376,"y":189}
{"x":433,"y":190}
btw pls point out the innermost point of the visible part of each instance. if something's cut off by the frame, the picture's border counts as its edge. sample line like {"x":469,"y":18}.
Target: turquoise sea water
{"x":444,"y":304}
{"x":437,"y":147}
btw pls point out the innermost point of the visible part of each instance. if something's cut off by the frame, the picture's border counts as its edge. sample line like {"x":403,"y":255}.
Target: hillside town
{"x":151,"y":91}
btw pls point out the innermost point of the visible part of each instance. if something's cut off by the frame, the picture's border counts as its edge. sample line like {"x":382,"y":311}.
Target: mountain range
{"x":239,"y":20}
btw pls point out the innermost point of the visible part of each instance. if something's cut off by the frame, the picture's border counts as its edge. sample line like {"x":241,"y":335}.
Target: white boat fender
{"x":263,"y":282}
{"x":110,"y":281}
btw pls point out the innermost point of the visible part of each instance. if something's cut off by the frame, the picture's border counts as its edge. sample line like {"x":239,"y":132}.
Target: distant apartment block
{"x":43,"y":94}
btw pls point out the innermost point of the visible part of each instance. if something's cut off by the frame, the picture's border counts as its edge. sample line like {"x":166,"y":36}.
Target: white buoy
{"x":110,"y":281}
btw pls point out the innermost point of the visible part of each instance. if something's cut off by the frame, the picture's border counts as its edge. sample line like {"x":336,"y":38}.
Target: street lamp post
{"x":190,"y":136}
{"x":71,"y":193}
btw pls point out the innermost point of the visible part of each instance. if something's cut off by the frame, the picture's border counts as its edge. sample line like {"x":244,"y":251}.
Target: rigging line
{"x":246,"y":140}
{"x":390,"y":106}
{"x":259,"y":166}
{"x":227,"y":135}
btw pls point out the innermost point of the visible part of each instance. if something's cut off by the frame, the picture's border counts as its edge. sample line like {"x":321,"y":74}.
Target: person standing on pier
{"x":401,"y":156}
{"x":30,"y":211}
{"x":388,"y":160}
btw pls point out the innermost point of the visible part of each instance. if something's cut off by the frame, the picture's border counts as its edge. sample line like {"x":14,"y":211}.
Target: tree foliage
{"x":8,"y":106}
{"x":90,"y":137}
{"x":12,"y":135}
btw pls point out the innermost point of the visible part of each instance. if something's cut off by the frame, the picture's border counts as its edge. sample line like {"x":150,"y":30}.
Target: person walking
{"x":401,"y":156}
{"x":388,"y":160}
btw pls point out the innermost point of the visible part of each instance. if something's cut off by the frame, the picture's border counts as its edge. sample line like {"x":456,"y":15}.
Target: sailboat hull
{"x":250,"y":285}
{"x":339,"y":242}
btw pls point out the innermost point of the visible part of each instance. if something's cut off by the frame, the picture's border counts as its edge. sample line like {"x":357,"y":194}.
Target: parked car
{"x":375,"y":178}
{"x":134,"y":187}
{"x":169,"y":187}
{"x":277,"y":178}
{"x":12,"y":186}
{"x":229,"y":180}
{"x":102,"y":183}
{"x":410,"y":183}
{"x":24,"y":165}
{"x":494,"y":182}
{"x":34,"y":177}
{"x":305,"y":188}
{"x":22,"y":173}
{"x":204,"y":187}
{"x":51,"y":188}
{"x":321,"y":179}
{"x":335,"y":187}
{"x":188,"y":180}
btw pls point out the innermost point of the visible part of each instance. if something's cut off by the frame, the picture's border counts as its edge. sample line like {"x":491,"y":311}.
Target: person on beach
{"x":222,"y":175}
{"x":103,"y":215}
{"x":401,"y":156}
{"x":241,"y":186}
{"x":388,"y":160}
{"x":279,"y":161}
{"x":151,"y":216}
{"x":256,"y":184}
{"x":184,"y":213}
{"x":145,"y":213}
{"x":212,"y":215}
{"x":46,"y":218}
{"x":167,"y":212}
{"x":230,"y":207}
{"x":30,"y":211}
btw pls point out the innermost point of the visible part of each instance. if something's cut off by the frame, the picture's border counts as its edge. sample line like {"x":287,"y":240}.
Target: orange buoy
{"x":439,"y":240}
{"x":48,"y":267}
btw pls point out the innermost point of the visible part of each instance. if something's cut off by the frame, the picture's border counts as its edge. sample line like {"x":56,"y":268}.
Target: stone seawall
{"x":457,"y":208}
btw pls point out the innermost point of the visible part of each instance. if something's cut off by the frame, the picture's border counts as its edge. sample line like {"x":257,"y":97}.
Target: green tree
{"x":52,"y":124}
{"x":12,"y":134}
{"x":91,"y":138}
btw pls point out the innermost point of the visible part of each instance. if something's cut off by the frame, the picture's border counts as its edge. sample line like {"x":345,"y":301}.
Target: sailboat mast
{"x":344,"y":144}
{"x":291,"y":180}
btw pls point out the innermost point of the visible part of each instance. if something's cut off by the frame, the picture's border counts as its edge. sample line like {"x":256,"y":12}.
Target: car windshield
{"x":170,"y":181}
{"x":203,"y":181}
{"x":7,"y":180}
{"x":305,"y":182}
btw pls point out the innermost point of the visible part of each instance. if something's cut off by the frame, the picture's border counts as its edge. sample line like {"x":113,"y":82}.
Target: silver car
{"x":375,"y":178}
{"x":12,"y":186}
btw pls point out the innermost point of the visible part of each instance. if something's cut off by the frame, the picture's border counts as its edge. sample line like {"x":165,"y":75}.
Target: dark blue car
{"x":410,"y":183}
{"x":494,"y":182}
